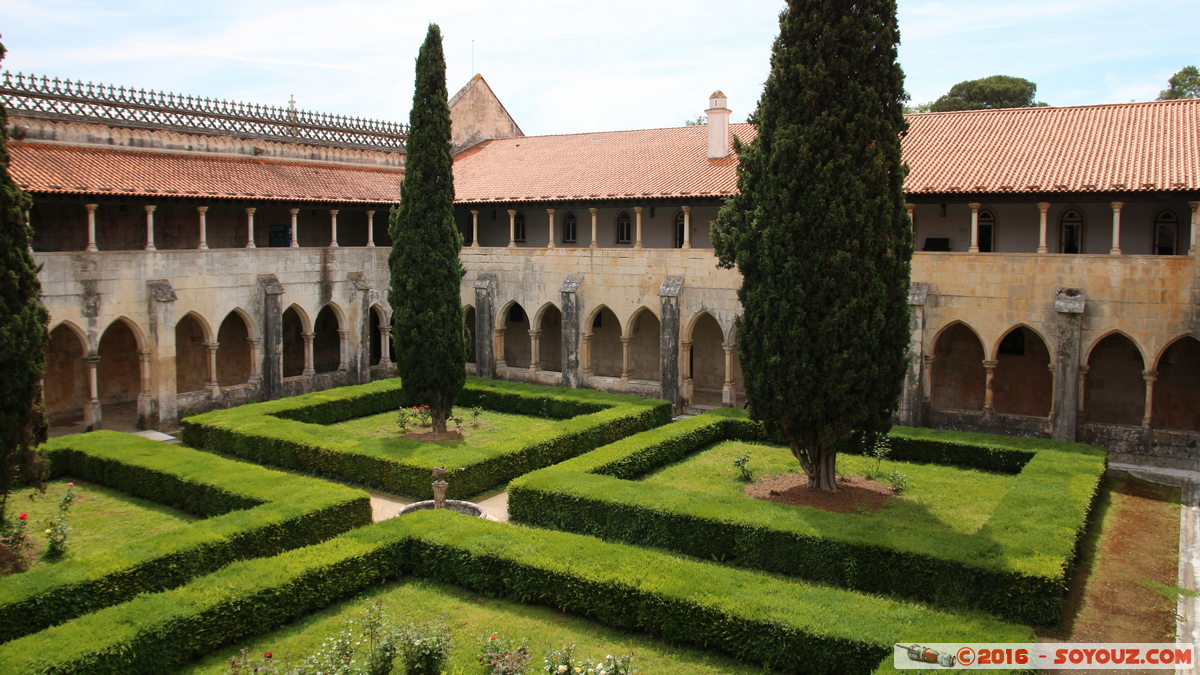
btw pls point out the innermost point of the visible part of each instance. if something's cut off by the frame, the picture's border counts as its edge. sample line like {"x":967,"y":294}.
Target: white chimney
{"x":718,"y":126}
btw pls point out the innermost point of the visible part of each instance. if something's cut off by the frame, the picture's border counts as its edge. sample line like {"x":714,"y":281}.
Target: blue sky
{"x":561,"y":66}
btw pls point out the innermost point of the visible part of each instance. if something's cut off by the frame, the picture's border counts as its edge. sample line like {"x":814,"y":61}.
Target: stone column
{"x":535,"y":335}
{"x":928,"y":395}
{"x":343,"y":347}
{"x":295,"y":228}
{"x":150,"y":227}
{"x":485,"y":321}
{"x":1195,"y":225}
{"x":626,"y":356}
{"x":1150,"y":376}
{"x":498,"y":337}
{"x":161,"y":409}
{"x":91,"y":226}
{"x":385,"y":346}
{"x":550,"y":242}
{"x":585,"y":355}
{"x":911,"y":410}
{"x":474,"y":228}
{"x":1069,"y":303}
{"x":1082,"y":387}
{"x":1053,"y":386}
{"x":989,"y":368}
{"x":637,"y":212}
{"x":250,"y":228}
{"x":214,"y":387}
{"x":370,"y":229}
{"x":728,"y":394}
{"x":92,"y":413}
{"x":1043,"y":207}
{"x":512,"y":228}
{"x":569,"y":290}
{"x":686,"y":392}
{"x":255,"y":362}
{"x":668,"y":338}
{"x":594,"y":212}
{"x":333,"y":228}
{"x":272,"y":322}
{"x":144,"y":408}
{"x":974,"y":227}
{"x":1116,"y":235}
{"x":687,"y":226}
{"x":309,"y":365}
{"x":203,"y":227}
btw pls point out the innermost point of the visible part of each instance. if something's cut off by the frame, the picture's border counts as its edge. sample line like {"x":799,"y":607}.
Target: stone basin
{"x":466,"y":508}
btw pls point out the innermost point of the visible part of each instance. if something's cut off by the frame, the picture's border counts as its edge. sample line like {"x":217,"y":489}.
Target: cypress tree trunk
{"x":427,"y":314}
{"x":820,"y":235}
{"x":23,"y":338}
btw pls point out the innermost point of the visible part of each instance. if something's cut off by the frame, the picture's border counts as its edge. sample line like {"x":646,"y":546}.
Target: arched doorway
{"x":1177,"y":389}
{"x":1115,"y":391}
{"x":469,"y":321}
{"x":66,"y":381}
{"x":327,"y":342}
{"x":233,"y":353}
{"x":550,"y":342}
{"x":118,"y":372}
{"x":707,"y":361}
{"x":1022,"y":383}
{"x":293,"y":343}
{"x":516,"y":337}
{"x":644,"y":363}
{"x":957,"y":381}
{"x":191,"y":355}
{"x":605,"y":345}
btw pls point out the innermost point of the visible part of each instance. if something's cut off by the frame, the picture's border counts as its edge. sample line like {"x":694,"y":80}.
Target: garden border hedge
{"x":250,"y":512}
{"x":1018,"y":566}
{"x":750,"y":615}
{"x":293,"y":433}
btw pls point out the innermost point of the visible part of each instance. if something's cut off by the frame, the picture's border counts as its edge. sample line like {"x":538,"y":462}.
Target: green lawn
{"x":470,"y":616}
{"x":493,"y":427}
{"x":100,"y":518}
{"x":960,"y":500}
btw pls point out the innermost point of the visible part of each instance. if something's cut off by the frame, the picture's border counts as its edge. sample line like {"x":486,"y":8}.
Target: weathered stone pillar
{"x":333,"y":228}
{"x":974,"y":227}
{"x":91,"y":226}
{"x":1069,"y":303}
{"x":910,"y":411}
{"x":594,"y":212}
{"x":637,"y":212}
{"x":989,"y":373}
{"x":512,"y":228}
{"x":310,"y":368}
{"x":728,"y":393}
{"x":344,"y":346}
{"x":203,"y":227}
{"x":144,"y":407}
{"x":1053,"y":386}
{"x":585,"y":355}
{"x":928,"y":397}
{"x":686,"y":391}
{"x":535,"y":335}
{"x":1082,"y":387}
{"x":1043,"y":207}
{"x":687,"y":226}
{"x":150,"y":227}
{"x":295,"y":228}
{"x":385,"y":346}
{"x":1116,"y":235}
{"x":474,"y":228}
{"x":550,"y":241}
{"x":485,"y":322}
{"x":92,"y":413}
{"x":161,"y":408}
{"x":272,"y":337}
{"x":255,"y":361}
{"x":1195,"y":225}
{"x":626,"y":356}
{"x":668,"y":338}
{"x":570,"y":330}
{"x":214,"y":387}
{"x":250,"y":227}
{"x":358,"y":358}
{"x":1150,"y":376}
{"x":370,"y":229}
{"x":498,"y":342}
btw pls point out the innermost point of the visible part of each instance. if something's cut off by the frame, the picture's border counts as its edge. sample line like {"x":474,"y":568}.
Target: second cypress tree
{"x":820,"y":234}
{"x":427,"y":314}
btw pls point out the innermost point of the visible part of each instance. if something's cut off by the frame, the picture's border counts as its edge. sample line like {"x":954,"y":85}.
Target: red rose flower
{"x":23,"y":516}
{"x":268,"y":655}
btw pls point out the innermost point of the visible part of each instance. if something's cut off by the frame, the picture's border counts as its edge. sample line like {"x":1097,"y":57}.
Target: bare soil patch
{"x":854,"y":494}
{"x":430,"y":437}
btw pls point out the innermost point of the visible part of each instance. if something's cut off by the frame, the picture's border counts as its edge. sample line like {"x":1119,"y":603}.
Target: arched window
{"x":519,"y":228}
{"x":679,"y":230}
{"x":1166,"y":233}
{"x":1071,"y":240}
{"x":569,"y":228}
{"x":624,"y":228}
{"x":987,"y":231}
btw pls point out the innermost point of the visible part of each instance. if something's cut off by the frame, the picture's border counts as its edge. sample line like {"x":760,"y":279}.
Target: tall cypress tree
{"x":427,"y":314}
{"x":820,"y":234}
{"x":23,"y":337}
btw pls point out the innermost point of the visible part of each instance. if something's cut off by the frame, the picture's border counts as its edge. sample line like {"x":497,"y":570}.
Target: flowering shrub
{"x":244,"y":664}
{"x":15,"y":547}
{"x":562,"y":662}
{"x":423,"y":647}
{"x":58,"y":531}
{"x":416,"y":416}
{"x":499,"y":655}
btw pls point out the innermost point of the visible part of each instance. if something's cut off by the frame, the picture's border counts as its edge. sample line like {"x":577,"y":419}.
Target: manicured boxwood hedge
{"x":1017,"y":566}
{"x":250,"y":512}
{"x":293,"y":433}
{"x":790,"y":626}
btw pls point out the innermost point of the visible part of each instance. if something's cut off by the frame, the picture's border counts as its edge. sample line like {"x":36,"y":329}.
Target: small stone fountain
{"x":439,"y":500}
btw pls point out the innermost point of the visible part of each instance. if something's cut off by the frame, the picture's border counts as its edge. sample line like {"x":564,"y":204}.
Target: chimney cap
{"x":718,"y":94}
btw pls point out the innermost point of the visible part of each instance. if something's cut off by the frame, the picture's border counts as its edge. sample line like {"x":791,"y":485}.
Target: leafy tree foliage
{"x":427,"y":314}
{"x":23,"y":338}
{"x":997,"y":91}
{"x":1184,"y":84}
{"x":820,"y":234}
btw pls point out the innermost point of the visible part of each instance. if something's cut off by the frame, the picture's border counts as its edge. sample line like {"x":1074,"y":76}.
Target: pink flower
{"x":70,"y":485}
{"x":267,"y":655}
{"x":23,"y":516}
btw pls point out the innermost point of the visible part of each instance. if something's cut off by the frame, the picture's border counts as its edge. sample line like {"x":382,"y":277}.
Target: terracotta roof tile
{"x":66,"y":169}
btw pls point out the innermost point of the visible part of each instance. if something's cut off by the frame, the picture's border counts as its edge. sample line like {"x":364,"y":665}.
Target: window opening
{"x":516,"y":314}
{"x":1072,"y":232}
{"x":569,"y":228}
{"x":624,"y":228}
{"x":1013,"y":344}
{"x":679,"y":230}
{"x":987,"y":231}
{"x":519,"y":228}
{"x":1166,"y":228}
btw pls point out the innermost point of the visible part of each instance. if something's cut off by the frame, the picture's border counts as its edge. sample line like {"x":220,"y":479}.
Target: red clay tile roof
{"x":45,"y":168}
{"x":1103,"y":148}
{"x":596,"y":167}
